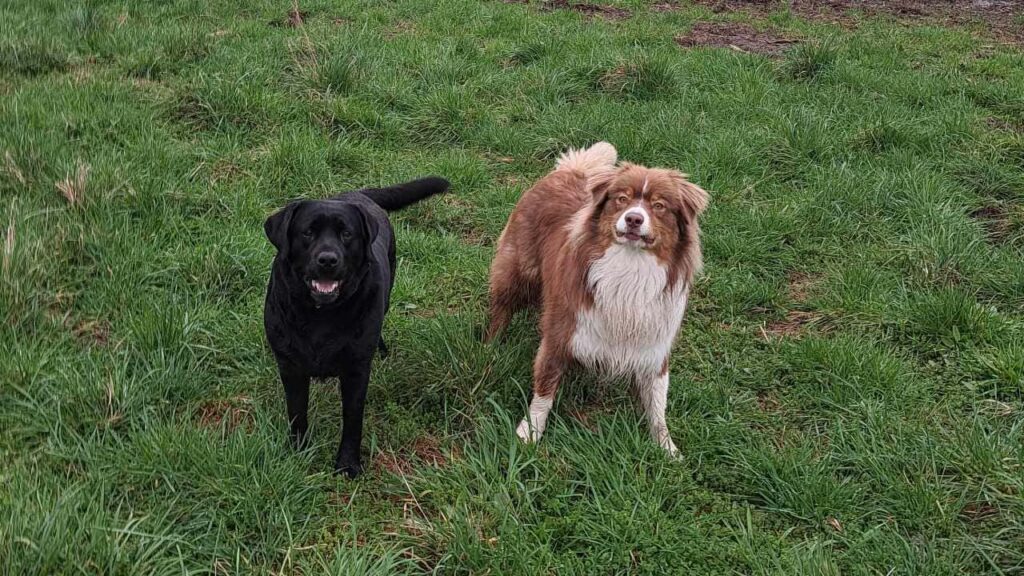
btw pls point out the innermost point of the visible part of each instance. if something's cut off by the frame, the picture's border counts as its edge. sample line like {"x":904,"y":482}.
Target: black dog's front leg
{"x":353,"y":384}
{"x":296,"y":397}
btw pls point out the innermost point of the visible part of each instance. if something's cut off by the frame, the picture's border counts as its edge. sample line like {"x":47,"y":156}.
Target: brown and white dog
{"x":609,"y":252}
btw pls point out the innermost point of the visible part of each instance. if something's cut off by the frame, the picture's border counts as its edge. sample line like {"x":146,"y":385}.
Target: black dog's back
{"x":401,"y":195}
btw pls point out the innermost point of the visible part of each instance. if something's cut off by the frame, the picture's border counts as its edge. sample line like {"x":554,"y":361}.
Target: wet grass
{"x":847,"y":388}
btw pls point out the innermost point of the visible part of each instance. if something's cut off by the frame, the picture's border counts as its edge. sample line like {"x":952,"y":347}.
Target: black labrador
{"x":329,"y":290}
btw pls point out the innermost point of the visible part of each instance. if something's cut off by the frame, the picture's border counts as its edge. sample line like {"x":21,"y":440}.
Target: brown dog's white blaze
{"x":610,"y":252}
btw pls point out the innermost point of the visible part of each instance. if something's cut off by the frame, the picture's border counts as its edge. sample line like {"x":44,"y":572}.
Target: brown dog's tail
{"x":401,"y":195}
{"x":600,"y":157}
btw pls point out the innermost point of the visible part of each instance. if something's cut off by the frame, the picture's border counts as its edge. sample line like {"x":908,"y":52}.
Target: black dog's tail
{"x":401,"y":195}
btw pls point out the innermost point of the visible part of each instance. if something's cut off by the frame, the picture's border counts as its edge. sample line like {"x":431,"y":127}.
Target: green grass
{"x":848,"y":388}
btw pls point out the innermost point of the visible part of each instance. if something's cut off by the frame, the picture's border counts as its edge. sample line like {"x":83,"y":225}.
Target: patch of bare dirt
{"x":294,"y":19}
{"x":794,"y":325}
{"x":229,"y":413}
{"x":800,"y":285}
{"x":94,"y":332}
{"x":978,"y":511}
{"x":394,"y":463}
{"x":224,"y":170}
{"x":609,"y":12}
{"x":1004,"y":125}
{"x":428,"y":450}
{"x":424,"y":451}
{"x":590,"y":10}
{"x":399,"y":28}
{"x":1001,"y":17}
{"x":767,"y":402}
{"x":995,"y":219}
{"x":734,"y":35}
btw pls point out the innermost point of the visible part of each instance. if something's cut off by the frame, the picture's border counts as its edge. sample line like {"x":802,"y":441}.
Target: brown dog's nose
{"x":634,"y":220}
{"x":327,"y":259}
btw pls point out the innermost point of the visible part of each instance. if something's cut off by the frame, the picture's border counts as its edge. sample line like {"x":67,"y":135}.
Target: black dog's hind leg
{"x":382,"y":347}
{"x":353,"y":385}
{"x":296,"y":396}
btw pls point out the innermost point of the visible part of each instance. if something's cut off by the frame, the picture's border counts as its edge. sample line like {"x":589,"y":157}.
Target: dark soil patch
{"x":995,"y":219}
{"x":424,"y":451}
{"x":999,"y":16}
{"x":767,"y":402}
{"x":227,"y":413}
{"x":734,"y":35}
{"x":978,"y":511}
{"x":610,"y":12}
{"x":1004,"y":125}
{"x":800,"y":285}
{"x":399,"y":28}
{"x":604,"y":11}
{"x":664,"y":6}
{"x":294,"y":19}
{"x":93,"y":332}
{"x":794,"y":325}
{"x":428,"y":450}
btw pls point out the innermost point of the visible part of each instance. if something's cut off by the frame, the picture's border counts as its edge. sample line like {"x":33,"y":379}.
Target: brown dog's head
{"x":647,"y":208}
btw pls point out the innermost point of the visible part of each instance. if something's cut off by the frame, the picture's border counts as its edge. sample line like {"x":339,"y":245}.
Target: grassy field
{"x":848,"y":387}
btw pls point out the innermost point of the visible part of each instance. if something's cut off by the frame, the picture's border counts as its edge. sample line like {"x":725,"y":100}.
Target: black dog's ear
{"x":276,"y":227}
{"x":370,"y":227}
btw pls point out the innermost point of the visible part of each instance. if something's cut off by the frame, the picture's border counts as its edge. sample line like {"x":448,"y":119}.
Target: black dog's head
{"x":325,"y":242}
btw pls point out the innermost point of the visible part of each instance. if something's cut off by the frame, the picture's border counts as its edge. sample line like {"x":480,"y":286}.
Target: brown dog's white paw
{"x":527,"y":433}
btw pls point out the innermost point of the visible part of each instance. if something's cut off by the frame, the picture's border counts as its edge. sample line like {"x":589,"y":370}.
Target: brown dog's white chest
{"x":634,"y":319}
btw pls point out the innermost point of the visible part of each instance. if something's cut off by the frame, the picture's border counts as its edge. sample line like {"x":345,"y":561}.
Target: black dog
{"x":328,"y":293}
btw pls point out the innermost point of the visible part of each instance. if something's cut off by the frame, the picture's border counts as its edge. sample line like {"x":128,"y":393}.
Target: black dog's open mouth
{"x":324,"y":287}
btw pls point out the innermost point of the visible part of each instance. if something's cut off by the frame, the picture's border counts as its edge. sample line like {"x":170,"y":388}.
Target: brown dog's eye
{"x":622,"y":199}
{"x":659,"y":206}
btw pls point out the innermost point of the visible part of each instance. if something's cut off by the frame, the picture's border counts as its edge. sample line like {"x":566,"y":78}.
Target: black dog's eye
{"x":346,"y":235}
{"x":308,"y":234}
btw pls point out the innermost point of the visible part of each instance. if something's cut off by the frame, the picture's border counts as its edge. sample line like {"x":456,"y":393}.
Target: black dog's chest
{"x":323,"y":343}
{"x":323,"y":350}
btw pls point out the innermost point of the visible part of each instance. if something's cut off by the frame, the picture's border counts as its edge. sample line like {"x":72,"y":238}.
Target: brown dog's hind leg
{"x":509,"y":292}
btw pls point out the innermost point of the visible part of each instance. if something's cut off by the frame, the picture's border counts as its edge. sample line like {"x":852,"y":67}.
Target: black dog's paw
{"x":348,"y":465}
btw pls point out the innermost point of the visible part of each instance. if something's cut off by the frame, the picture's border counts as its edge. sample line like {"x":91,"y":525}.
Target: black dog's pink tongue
{"x":325,"y":285}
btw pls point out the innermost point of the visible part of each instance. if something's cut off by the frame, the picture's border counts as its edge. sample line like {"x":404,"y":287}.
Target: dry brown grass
{"x":73,"y":187}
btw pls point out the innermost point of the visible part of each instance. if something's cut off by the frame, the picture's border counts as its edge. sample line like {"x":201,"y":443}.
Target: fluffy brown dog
{"x":609,"y":251}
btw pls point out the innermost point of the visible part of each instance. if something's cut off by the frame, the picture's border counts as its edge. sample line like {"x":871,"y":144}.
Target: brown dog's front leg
{"x":548,"y":368}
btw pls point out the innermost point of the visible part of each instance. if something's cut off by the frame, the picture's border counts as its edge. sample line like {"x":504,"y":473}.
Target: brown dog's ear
{"x":694,"y":198}
{"x":276,"y":227}
{"x":599,"y":185}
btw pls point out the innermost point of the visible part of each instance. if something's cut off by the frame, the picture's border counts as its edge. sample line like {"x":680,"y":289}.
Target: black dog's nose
{"x":326,"y":258}
{"x":634,"y":220}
